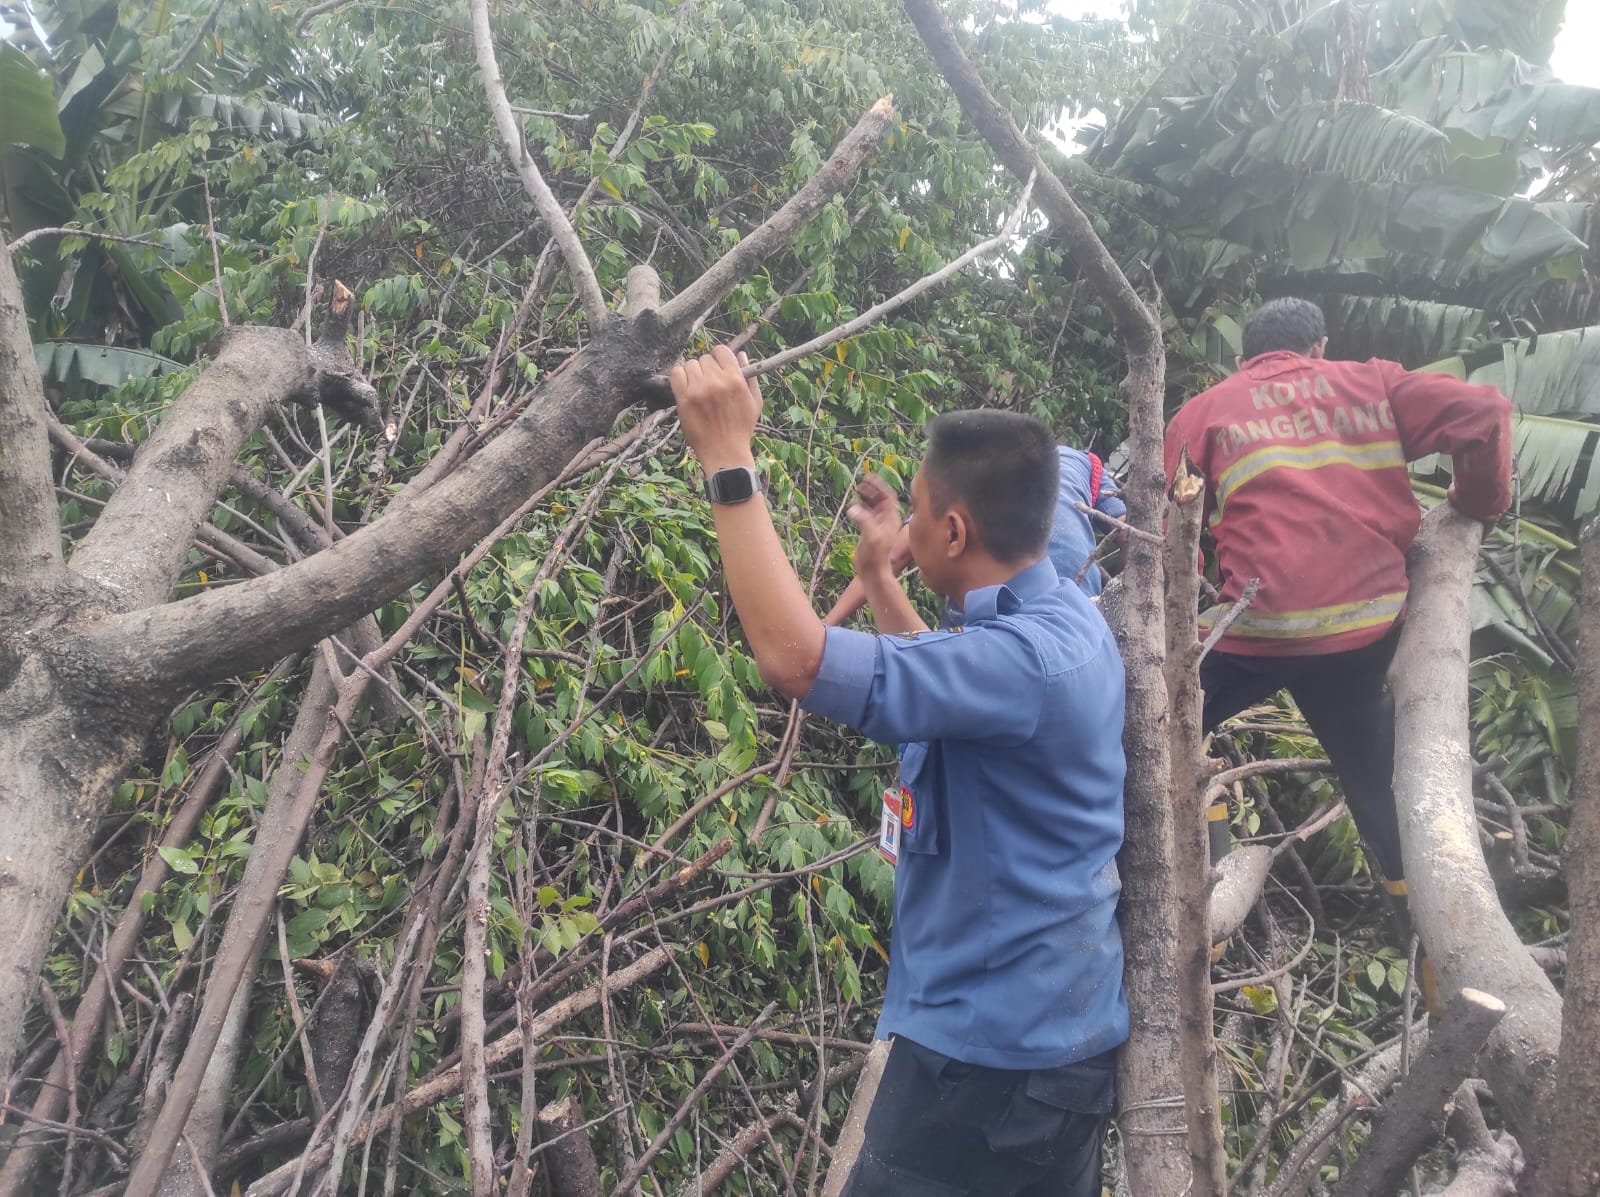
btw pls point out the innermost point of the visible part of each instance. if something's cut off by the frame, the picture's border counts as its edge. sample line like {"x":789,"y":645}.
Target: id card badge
{"x":889,"y":836}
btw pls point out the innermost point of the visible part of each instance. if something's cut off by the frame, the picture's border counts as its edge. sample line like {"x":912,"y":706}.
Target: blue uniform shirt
{"x":1072,"y":535}
{"x":1005,"y":951}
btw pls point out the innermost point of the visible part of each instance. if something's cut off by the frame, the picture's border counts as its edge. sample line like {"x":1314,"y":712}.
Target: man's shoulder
{"x":1062,"y":629}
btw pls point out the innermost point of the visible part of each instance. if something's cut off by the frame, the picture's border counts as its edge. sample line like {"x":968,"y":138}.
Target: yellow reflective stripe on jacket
{"x":1379,"y":455}
{"x":1317,"y":621}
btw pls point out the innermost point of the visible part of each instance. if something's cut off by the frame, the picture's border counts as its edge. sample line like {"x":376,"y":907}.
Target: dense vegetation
{"x":1412,"y":165}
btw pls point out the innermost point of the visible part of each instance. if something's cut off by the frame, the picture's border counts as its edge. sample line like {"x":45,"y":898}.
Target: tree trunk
{"x":1149,"y":1092}
{"x":1453,"y":900}
{"x":1191,"y":856}
{"x":1574,"y":1164}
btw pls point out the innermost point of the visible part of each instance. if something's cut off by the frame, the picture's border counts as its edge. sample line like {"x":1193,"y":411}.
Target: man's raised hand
{"x":877,"y":514}
{"x":718,"y":407}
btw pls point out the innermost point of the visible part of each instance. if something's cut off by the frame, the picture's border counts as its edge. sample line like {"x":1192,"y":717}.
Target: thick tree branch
{"x":854,"y":1133}
{"x":296,"y":784}
{"x":139,"y":542}
{"x":1453,"y":899}
{"x":544,"y":200}
{"x":220,"y":633}
{"x":1414,"y":1115}
{"x":27,"y":497}
{"x":1574,"y":1166}
{"x":1134,"y":320}
{"x":779,"y":229}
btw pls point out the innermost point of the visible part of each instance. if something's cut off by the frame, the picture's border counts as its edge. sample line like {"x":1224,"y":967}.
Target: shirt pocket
{"x":919,"y":800}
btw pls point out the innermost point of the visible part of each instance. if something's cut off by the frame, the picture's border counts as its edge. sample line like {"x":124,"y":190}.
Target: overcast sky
{"x":1577,"y":56}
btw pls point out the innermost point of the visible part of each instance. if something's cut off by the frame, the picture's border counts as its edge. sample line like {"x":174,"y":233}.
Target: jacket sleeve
{"x":1435,"y":413}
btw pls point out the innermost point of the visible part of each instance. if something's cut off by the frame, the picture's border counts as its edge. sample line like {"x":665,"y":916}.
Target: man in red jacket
{"x":1304,"y":461}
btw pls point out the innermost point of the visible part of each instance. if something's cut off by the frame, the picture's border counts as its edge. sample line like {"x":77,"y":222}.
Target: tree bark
{"x":1415,"y":1114}
{"x":51,"y":1101}
{"x":1486,"y":1165}
{"x":568,"y":1154}
{"x":140,"y":539}
{"x":1574,"y":1165}
{"x":27,"y":495}
{"x":1151,"y":1102}
{"x":292,"y":793}
{"x":1191,"y":852}
{"x":854,"y":1133}
{"x":1298,"y":1177}
{"x":1453,"y":900}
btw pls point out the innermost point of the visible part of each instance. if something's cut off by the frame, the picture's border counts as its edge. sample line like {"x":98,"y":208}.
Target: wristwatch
{"x":734,"y":484}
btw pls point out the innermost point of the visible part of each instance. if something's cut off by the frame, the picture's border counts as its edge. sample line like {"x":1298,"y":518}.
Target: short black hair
{"x":1292,"y":324}
{"x":1003,"y":466}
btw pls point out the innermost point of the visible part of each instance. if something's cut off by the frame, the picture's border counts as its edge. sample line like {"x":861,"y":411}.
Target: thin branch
{"x":778,"y":230}
{"x":544,"y":200}
{"x":1294,"y":764}
{"x":685,"y":7}
{"x":33,"y":235}
{"x":444,"y":1084}
{"x":1113,"y":522}
{"x":878,"y":311}
{"x":555,"y":116}
{"x":315,"y":11}
{"x":1229,"y":616}
{"x":182,"y":60}
{"x":633,"y":1174}
{"x":211,"y":236}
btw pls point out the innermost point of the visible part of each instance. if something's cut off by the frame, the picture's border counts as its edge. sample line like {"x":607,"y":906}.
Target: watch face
{"x":732,"y":486}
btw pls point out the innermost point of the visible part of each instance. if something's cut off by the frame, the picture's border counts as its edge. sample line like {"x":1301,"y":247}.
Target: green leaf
{"x":179,"y":860}
{"x":1377,"y":973}
{"x":29,"y":104}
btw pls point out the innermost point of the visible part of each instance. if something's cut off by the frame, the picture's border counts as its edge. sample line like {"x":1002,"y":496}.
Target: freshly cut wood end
{"x":1485,"y":1001}
{"x":885,"y":106}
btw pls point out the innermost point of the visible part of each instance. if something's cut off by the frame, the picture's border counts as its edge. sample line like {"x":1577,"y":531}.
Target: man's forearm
{"x":849,"y":602}
{"x":892,"y":612}
{"x":784,"y":632}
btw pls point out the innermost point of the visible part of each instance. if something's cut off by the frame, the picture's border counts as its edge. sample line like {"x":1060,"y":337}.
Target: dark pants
{"x":1346,"y":700}
{"x":941,"y":1128}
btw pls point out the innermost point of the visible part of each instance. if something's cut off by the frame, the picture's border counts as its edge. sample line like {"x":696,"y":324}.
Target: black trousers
{"x":942,"y":1128}
{"x":1345,"y":698}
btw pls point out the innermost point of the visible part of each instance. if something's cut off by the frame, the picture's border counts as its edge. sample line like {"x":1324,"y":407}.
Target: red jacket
{"x":1306,"y":488}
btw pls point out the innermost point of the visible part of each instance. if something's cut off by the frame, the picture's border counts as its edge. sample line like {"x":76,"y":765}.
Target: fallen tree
{"x":1453,"y":900}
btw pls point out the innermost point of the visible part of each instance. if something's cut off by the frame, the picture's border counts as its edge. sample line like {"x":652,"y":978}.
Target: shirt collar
{"x":987,"y":602}
{"x":1275,"y":362}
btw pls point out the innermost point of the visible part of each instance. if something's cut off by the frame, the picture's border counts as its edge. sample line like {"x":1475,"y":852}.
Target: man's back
{"x":1006,"y":951}
{"x":1306,"y":488}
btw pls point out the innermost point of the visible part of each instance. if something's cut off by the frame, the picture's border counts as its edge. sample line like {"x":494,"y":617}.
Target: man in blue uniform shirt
{"x":1083,"y":479}
{"x":1005,"y":1000}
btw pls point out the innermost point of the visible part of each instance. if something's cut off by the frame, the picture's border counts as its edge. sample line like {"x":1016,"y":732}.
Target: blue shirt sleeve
{"x":1107,"y":501}
{"x":981,"y":683}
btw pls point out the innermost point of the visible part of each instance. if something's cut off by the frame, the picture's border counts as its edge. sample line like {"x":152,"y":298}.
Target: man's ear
{"x":956,"y":525}
{"x":1320,"y":349}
